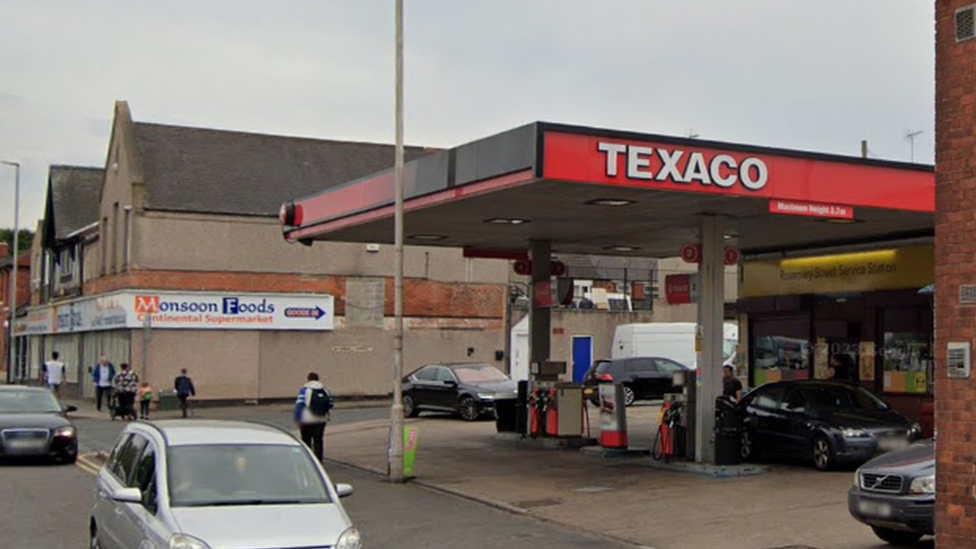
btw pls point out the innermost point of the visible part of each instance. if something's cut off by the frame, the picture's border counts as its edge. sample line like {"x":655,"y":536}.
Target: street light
{"x":396,"y":411}
{"x":13,"y":271}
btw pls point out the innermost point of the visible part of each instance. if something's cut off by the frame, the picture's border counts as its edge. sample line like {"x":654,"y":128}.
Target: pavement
{"x":624,"y":500}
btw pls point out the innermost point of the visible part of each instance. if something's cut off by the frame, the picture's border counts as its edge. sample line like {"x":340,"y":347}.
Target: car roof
{"x":808,"y":383}
{"x":456,"y":365}
{"x":216,"y":432}
{"x":11,"y":388}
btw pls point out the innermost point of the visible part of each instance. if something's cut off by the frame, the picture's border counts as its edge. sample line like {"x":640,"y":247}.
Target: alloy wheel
{"x":409,"y":406}
{"x":747,"y":452}
{"x":629,"y":396}
{"x":469,"y":409}
{"x":822,"y":455}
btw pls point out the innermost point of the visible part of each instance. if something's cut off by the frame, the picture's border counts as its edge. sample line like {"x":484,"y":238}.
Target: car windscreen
{"x":479,"y":374}
{"x":210,"y":475}
{"x":829,"y":399}
{"x":28,"y":402}
{"x":602,"y":367}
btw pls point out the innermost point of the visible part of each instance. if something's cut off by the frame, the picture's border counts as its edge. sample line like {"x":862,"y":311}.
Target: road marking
{"x":89,"y":465}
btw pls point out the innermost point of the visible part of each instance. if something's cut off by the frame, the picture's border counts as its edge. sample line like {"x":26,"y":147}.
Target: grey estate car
{"x":216,"y":485}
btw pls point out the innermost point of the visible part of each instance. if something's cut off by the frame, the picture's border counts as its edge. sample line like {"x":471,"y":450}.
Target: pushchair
{"x":117,"y":410}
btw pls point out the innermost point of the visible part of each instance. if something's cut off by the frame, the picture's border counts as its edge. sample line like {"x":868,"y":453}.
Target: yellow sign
{"x":867,"y":361}
{"x":903,"y":268}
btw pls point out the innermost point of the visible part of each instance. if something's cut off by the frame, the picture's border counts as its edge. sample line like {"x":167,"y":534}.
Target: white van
{"x":674,"y":340}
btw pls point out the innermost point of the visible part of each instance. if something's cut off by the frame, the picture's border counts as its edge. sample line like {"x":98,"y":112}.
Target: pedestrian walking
{"x":54,"y":373}
{"x":126,"y":385}
{"x":103,"y":374}
{"x":184,"y":390}
{"x":144,"y":396}
{"x":312,"y":410}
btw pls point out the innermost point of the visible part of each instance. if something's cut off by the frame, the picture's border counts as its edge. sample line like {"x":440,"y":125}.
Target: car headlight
{"x":180,"y":541}
{"x":923,"y":485}
{"x":349,"y":539}
{"x":65,"y":432}
{"x":857,"y":478}
{"x":854,"y":433}
{"x":486,"y":396}
{"x":915,"y":431}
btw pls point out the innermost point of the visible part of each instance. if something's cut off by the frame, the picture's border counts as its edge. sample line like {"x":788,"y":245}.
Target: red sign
{"x":680,"y":289}
{"x":731,"y":256}
{"x":608,"y":160}
{"x":691,"y":253}
{"x":810,"y":209}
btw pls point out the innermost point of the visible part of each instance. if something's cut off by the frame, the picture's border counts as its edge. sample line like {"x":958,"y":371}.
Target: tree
{"x":24,"y":241}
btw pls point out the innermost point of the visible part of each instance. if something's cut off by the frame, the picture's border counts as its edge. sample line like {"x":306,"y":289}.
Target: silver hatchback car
{"x":216,"y":485}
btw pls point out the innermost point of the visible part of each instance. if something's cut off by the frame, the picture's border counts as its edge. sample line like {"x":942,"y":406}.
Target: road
{"x":47,"y":506}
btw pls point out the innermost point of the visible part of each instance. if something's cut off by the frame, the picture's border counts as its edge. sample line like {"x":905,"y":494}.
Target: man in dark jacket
{"x":103,"y":374}
{"x":184,"y":390}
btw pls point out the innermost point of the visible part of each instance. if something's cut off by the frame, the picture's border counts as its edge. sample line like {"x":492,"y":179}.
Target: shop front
{"x":859,"y":311}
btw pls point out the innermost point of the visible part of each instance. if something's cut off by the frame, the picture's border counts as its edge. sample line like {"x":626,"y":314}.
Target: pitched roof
{"x":226,"y":172}
{"x":73,"y":196}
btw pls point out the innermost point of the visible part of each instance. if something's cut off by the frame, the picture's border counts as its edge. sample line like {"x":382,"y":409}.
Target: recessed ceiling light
{"x":610,"y":202}
{"x":429,"y":237}
{"x":622,"y":248}
{"x":506,"y":221}
{"x":730,"y":236}
{"x":840,"y":221}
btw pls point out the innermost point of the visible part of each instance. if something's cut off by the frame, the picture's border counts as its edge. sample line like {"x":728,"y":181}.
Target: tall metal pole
{"x":396,"y":411}
{"x":14,"y":268}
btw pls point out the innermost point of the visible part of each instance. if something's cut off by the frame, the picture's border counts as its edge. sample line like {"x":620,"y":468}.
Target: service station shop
{"x":834,"y":249}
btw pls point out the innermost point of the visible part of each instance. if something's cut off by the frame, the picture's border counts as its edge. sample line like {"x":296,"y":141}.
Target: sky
{"x":817,"y":76}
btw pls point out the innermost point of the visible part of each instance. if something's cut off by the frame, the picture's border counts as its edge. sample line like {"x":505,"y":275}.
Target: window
{"x":831,"y":399}
{"x":481,"y":373}
{"x":104,"y":238}
{"x":907,"y":362}
{"x":127,"y":459}
{"x":639,"y":366}
{"x":115,"y":237}
{"x":794,"y":402}
{"x":668,"y":366}
{"x":427,"y":374}
{"x":444,"y":374}
{"x":66,"y":260}
{"x":770,"y":399}
{"x":127,"y":244}
{"x":145,"y":477}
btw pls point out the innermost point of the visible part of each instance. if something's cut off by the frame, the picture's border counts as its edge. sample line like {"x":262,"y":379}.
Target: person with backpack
{"x":312,"y":410}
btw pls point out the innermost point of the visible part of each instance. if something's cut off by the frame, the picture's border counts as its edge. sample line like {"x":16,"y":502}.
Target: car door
{"x":765,"y":415}
{"x":155,"y":534}
{"x":794,"y":423}
{"x":120,"y":532}
{"x":103,"y":511}
{"x":642,"y":377}
{"x":447,"y":389}
{"x":423,"y":390}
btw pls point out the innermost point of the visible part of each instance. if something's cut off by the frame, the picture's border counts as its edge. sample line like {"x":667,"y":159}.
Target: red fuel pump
{"x":552,"y":415}
{"x":535,"y":412}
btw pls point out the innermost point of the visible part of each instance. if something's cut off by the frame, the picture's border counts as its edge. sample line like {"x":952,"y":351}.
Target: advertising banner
{"x":183,"y":310}
{"x":409,"y":451}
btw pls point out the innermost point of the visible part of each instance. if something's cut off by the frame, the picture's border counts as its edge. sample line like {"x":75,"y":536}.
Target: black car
{"x":469,"y":390}
{"x":826,"y":422}
{"x":646,"y":378}
{"x":33,"y":424}
{"x":894,"y":494}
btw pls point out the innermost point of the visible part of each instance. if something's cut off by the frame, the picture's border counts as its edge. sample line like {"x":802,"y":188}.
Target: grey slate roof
{"x":225,"y":172}
{"x":74,"y":193}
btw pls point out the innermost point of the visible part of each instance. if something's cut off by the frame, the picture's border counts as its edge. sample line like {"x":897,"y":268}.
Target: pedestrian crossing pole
{"x":396,"y":411}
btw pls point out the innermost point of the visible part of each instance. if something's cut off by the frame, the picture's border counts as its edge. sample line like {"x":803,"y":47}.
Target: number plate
{"x":874,"y":509}
{"x":892,"y":444}
{"x":25,"y":444}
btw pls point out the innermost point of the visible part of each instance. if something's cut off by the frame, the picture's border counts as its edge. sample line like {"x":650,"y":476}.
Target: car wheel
{"x":468,"y":409}
{"x":748,"y":452}
{"x":822,"y":453}
{"x":410,"y":407}
{"x":897,"y":537}
{"x":629,"y":396}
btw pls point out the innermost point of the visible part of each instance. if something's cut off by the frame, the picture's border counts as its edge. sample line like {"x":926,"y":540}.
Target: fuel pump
{"x":535,"y":411}
{"x":552,"y":414}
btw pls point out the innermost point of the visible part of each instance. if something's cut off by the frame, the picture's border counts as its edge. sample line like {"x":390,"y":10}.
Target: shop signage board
{"x":681,"y":288}
{"x":662,"y":163}
{"x":183,"y":310}
{"x":811,"y":209}
{"x":902,"y":268}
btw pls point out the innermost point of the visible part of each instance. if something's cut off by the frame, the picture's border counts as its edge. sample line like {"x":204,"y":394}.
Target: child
{"x":145,"y":399}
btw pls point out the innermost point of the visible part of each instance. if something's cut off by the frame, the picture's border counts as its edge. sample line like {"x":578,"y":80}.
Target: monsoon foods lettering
{"x":838,"y":271}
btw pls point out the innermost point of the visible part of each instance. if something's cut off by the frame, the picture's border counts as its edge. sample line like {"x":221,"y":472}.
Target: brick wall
{"x":422,"y":298}
{"x":955,"y":248}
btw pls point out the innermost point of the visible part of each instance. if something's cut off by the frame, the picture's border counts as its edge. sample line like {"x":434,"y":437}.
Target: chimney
{"x":4,"y":249}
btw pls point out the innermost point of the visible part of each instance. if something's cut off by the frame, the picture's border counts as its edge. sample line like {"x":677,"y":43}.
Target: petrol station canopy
{"x":605,"y":192}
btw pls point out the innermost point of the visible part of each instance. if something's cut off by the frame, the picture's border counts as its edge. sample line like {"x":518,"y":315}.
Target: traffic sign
{"x":731,"y":256}
{"x":691,"y":253}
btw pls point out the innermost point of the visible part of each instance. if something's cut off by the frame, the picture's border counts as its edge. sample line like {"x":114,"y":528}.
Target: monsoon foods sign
{"x":185,"y":310}
{"x":903,"y":268}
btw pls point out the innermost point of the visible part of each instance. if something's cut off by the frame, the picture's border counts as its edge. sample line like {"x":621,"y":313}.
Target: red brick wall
{"x":23,"y":297}
{"x":422,"y":298}
{"x":955,"y":264}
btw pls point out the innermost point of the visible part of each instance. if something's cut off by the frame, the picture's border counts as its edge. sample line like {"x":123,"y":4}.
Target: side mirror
{"x":127,"y":495}
{"x":343,"y":490}
{"x":70,"y":409}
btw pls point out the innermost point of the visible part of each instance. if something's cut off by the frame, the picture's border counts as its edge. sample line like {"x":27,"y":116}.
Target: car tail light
{"x":604,"y":377}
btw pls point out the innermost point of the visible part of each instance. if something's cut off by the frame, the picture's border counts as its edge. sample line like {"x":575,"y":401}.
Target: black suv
{"x":643,"y":378}
{"x":894,"y":494}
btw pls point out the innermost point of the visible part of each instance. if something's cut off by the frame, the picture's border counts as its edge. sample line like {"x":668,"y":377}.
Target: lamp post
{"x":396,"y":411}
{"x":15,"y":263}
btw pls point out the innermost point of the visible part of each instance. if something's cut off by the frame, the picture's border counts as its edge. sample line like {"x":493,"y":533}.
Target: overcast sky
{"x":809,"y":75}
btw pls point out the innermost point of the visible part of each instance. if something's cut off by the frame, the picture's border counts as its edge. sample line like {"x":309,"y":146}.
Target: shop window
{"x":781,"y":350}
{"x":907,"y":362}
